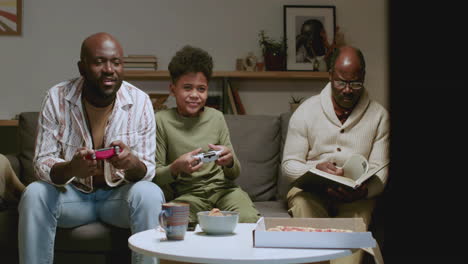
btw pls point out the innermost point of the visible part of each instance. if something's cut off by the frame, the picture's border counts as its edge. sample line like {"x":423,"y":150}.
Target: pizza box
{"x":358,"y":238}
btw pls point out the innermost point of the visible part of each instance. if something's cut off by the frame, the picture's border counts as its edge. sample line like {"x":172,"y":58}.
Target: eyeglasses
{"x":353,"y":85}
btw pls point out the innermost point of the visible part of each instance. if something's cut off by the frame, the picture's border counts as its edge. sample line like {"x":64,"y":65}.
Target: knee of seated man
{"x":301,"y":199}
{"x":146,"y":191}
{"x":305,"y":204}
{"x":39,"y":191}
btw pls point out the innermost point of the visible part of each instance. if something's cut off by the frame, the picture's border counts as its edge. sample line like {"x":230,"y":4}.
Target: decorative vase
{"x":250,"y":62}
{"x":274,"y":62}
{"x":294,"y":106}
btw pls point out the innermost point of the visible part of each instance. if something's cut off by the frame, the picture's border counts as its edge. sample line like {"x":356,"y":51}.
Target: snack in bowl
{"x":218,"y":222}
{"x":215,"y":212}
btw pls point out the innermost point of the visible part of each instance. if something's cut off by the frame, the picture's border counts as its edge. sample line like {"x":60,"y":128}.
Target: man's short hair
{"x":190,"y":59}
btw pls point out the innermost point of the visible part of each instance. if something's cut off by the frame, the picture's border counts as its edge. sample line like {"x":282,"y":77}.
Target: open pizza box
{"x":358,"y":238}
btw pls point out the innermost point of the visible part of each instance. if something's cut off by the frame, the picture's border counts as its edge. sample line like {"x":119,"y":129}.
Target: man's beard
{"x":98,"y":93}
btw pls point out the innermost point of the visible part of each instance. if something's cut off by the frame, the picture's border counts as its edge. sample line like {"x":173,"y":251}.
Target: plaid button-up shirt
{"x":62,"y":130}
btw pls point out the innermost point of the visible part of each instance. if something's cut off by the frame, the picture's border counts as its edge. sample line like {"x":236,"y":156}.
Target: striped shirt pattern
{"x":62,"y":130}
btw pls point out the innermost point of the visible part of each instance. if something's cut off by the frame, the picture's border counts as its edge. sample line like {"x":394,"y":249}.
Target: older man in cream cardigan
{"x":324,"y":131}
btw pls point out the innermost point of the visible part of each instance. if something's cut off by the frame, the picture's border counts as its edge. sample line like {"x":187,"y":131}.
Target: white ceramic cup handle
{"x":162,"y":219}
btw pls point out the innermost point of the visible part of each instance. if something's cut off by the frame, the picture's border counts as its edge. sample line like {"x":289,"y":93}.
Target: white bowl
{"x":218,"y":224}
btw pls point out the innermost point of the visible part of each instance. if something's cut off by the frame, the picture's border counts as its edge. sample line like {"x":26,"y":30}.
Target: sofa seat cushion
{"x":9,"y":228}
{"x":93,"y":237}
{"x":273,"y":208}
{"x":256,"y":142}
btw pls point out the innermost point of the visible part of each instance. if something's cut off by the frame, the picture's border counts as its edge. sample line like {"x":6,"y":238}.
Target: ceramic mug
{"x":174,"y":219}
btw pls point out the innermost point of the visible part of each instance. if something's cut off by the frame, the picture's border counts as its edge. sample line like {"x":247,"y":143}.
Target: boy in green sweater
{"x":189,"y":129}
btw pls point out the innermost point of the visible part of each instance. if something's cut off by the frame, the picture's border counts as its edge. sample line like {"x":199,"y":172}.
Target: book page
{"x":355,"y":167}
{"x":372,"y":172}
{"x":311,"y":178}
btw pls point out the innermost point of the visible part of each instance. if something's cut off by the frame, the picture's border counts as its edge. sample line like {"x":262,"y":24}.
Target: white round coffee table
{"x":197,"y":247}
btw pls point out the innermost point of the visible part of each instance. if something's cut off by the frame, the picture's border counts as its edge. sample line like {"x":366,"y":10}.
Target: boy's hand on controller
{"x":225,"y":157}
{"x":186,"y":163}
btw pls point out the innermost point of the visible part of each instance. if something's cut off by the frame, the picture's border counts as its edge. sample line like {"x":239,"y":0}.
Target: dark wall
{"x":426,"y":195}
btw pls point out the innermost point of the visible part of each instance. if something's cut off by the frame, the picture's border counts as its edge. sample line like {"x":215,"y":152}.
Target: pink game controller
{"x":104,"y":153}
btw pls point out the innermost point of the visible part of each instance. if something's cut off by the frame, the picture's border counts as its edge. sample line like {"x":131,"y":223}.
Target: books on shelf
{"x":134,"y":58}
{"x":214,"y":101}
{"x":235,"y":103}
{"x":149,"y":65}
{"x":237,"y":100}
{"x":140,"y":62}
{"x":141,"y":55}
{"x":232,"y":103}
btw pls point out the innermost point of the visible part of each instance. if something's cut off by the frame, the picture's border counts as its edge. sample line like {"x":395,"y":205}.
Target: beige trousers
{"x":10,"y":186}
{"x":304,"y":204}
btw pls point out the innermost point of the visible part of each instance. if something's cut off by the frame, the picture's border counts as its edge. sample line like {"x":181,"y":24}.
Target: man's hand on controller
{"x":125,"y":160}
{"x":81,"y":166}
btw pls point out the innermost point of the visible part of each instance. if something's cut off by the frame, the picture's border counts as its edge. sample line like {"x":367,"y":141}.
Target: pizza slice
{"x":306,"y":229}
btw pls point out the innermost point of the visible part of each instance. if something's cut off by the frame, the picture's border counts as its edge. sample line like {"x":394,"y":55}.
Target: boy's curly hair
{"x":190,"y":59}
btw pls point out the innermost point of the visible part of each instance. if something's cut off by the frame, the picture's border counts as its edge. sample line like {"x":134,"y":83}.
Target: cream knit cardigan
{"x":315,"y":135}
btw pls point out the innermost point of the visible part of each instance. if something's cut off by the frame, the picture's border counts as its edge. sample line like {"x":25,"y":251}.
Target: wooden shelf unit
{"x":225,"y":76}
{"x":162,"y":75}
{"x":9,"y":123}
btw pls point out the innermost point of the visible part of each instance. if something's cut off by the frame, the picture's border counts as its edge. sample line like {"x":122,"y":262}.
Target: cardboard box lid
{"x":359,"y":238}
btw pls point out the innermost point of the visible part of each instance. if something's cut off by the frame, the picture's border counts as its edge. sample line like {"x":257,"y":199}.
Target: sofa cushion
{"x":256,"y":140}
{"x":27,"y":135}
{"x":93,"y":237}
{"x":284,"y":184}
{"x":76,"y":257}
{"x":273,"y":208}
{"x":9,"y":228}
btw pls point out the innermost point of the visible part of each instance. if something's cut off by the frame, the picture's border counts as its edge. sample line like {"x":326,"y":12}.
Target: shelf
{"x":11,"y":123}
{"x":162,"y":75}
{"x":145,"y":75}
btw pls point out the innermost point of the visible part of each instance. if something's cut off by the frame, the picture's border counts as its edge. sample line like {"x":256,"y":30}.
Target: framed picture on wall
{"x":309,"y":32}
{"x":10,"y":17}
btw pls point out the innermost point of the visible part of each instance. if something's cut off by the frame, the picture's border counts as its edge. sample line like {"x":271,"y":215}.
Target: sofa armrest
{"x":5,"y":204}
{"x":15,"y":164}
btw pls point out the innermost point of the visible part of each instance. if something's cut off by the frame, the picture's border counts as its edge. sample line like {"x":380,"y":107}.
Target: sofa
{"x":257,"y":141}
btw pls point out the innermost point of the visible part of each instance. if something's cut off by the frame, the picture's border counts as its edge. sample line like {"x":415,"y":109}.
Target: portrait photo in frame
{"x":309,"y":33}
{"x":11,"y":17}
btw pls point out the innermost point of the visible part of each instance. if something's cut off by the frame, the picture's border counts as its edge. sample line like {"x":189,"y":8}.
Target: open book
{"x":356,"y":171}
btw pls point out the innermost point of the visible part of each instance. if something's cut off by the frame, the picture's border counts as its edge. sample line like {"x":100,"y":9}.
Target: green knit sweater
{"x":177,"y":135}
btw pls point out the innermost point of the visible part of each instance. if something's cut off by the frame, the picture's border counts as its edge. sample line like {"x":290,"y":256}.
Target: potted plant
{"x":274,"y":52}
{"x":295,"y":102}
